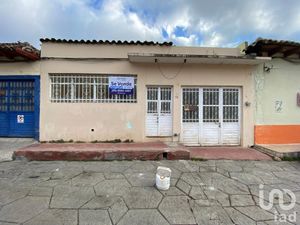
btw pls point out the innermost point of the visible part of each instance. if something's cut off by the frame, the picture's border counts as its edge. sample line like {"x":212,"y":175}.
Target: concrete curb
{"x":274,"y":154}
{"x":101,"y":155}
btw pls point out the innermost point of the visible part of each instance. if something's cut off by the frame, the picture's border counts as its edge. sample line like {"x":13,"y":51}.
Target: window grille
{"x":159,"y":100}
{"x":218,"y":105}
{"x":165,"y":100}
{"x":152,"y":99}
{"x":17,"y":96}
{"x":231,"y":105}
{"x":190,"y":104}
{"x":85,"y":88}
{"x":4,"y":96}
{"x":210,"y":105}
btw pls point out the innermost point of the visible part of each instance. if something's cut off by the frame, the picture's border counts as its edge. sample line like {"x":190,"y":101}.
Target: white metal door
{"x":230,"y":132}
{"x":159,"y":111}
{"x":210,"y":116}
{"x":211,"y":122}
{"x":190,"y":116}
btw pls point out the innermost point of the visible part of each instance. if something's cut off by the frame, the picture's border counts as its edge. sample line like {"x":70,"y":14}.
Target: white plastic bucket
{"x":163,"y":176}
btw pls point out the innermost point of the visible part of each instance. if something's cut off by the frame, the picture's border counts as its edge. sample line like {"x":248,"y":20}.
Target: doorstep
{"x":280,"y":150}
{"x":227,"y":153}
{"x":133,"y":151}
{"x":102,"y":151}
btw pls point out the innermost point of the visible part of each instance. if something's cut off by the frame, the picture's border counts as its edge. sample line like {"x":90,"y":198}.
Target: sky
{"x":220,"y":23}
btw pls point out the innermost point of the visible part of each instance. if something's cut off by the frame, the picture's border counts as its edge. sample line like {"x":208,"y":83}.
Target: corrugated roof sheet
{"x":113,"y":42}
{"x":18,"y":51}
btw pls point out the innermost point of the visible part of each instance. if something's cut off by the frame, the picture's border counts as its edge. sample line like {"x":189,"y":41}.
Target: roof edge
{"x":273,"y":46}
{"x":18,"y":51}
{"x":108,"y":42}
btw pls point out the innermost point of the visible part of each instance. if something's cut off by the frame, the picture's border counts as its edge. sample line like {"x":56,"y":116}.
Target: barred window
{"x":86,"y":88}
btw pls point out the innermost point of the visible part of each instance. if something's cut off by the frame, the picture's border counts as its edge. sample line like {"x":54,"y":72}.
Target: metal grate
{"x":85,"y":88}
{"x":17,"y":96}
{"x":231,"y":105}
{"x":159,"y":99}
{"x":190,"y":104}
{"x":165,"y":100}
{"x":210,"y":105}
{"x":152,"y":100}
{"x":4,"y":95}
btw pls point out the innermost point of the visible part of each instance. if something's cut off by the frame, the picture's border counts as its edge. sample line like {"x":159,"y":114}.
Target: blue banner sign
{"x":121,"y":85}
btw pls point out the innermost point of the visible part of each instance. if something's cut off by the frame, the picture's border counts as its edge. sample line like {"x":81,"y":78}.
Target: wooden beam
{"x":7,"y":53}
{"x":274,"y":50}
{"x":295,"y":50}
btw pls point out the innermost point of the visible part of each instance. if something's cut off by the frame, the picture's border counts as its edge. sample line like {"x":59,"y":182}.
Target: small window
{"x":86,"y":88}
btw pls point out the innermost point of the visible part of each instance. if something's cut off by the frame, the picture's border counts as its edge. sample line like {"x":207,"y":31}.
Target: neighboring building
{"x":277,"y":92}
{"x":19,"y":90}
{"x":195,"y":95}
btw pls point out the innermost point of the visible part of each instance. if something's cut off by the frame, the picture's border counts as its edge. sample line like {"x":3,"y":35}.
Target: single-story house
{"x":277,"y":92}
{"x":141,"y":91}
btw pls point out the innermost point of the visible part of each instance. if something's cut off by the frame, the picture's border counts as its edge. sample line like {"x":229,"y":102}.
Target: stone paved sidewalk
{"x":96,"y":193}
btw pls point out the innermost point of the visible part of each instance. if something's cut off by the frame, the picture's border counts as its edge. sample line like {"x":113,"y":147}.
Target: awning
{"x":196,"y":59}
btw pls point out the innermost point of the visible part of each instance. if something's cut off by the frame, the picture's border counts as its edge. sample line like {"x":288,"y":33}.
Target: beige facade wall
{"x":20,"y":68}
{"x":121,"y":51}
{"x":127,"y":120}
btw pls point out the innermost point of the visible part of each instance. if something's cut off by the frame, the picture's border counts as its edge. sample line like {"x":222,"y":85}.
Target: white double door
{"x":210,"y":116}
{"x":159,"y":111}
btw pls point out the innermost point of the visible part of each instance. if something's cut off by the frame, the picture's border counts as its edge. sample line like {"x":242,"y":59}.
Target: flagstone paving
{"x":123,"y":192}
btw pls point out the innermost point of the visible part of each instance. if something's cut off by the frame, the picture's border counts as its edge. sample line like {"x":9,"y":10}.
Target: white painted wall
{"x":281,"y":84}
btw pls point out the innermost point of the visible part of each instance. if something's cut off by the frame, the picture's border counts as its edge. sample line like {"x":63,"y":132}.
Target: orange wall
{"x":277,"y":134}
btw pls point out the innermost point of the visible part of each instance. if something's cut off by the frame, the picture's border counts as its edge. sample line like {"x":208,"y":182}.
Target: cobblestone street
{"x":123,"y":192}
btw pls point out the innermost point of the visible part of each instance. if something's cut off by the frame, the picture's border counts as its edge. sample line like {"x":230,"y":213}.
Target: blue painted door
{"x":17,"y":108}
